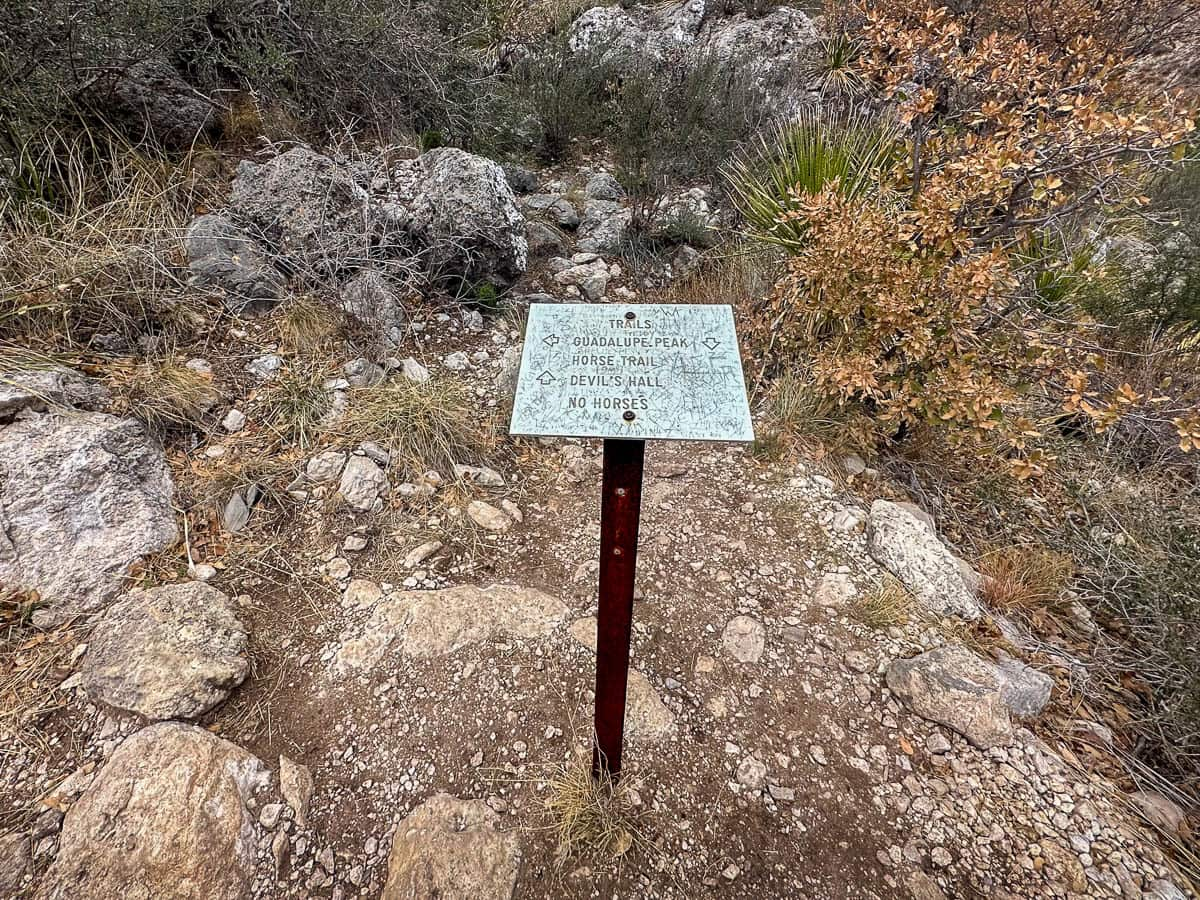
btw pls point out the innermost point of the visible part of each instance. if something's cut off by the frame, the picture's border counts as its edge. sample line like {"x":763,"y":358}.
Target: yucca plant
{"x":770,"y":182}
{"x":836,"y":69}
{"x":1057,"y":272}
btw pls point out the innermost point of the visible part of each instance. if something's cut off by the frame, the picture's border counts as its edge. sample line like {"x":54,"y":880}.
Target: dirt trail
{"x":768,"y":758}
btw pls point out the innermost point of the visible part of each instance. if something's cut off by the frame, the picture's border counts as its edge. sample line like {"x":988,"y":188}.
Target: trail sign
{"x":631,"y":371}
{"x":627,"y":373}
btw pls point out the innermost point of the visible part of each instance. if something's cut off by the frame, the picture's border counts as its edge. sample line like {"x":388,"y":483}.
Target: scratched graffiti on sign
{"x":636,"y":371}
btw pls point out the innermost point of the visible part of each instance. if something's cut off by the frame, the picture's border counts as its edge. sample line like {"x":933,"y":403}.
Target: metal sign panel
{"x":634,"y":371}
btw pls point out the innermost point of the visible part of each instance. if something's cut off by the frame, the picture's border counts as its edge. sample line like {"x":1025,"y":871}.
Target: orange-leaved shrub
{"x":911,"y":302}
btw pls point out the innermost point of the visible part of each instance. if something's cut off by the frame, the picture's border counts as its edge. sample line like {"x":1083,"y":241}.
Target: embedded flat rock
{"x":434,"y":623}
{"x":647,"y":718}
{"x":954,"y":687}
{"x":165,"y":817}
{"x":168,"y":652}
{"x":451,"y":849}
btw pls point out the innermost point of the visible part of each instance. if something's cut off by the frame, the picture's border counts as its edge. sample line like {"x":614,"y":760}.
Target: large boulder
{"x":459,"y":212}
{"x":447,"y":213}
{"x":775,"y":49}
{"x":954,"y":687}
{"x":451,"y":849}
{"x":82,"y":497}
{"x":39,"y":389}
{"x":308,"y":209}
{"x":171,"y":652}
{"x":643,"y":34}
{"x":223,"y":256}
{"x":166,"y":817}
{"x":909,"y":549}
{"x":149,"y":100}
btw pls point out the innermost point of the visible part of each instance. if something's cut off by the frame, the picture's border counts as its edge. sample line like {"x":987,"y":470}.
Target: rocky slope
{"x":367,"y":687}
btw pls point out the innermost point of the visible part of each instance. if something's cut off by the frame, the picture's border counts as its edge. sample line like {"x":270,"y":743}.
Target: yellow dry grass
{"x":1023,"y":577}
{"x":163,"y":393}
{"x":91,"y":245}
{"x":591,"y":817}
{"x":889,"y":604}
{"x":307,"y":324}
{"x":430,"y":425}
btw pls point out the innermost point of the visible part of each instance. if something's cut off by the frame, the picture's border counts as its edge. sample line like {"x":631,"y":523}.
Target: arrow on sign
{"x":550,"y":340}
{"x":711,"y":343}
{"x":545,"y":378}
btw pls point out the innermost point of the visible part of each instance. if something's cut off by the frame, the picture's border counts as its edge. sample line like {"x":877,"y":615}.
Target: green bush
{"x":334,"y":65}
{"x":1057,"y":275}
{"x":564,"y":95}
{"x":1150,"y":282}
{"x":680,"y":124}
{"x":1143,"y":574}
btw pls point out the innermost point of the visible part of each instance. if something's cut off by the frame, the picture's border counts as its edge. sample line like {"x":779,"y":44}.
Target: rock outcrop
{"x":910,"y":550}
{"x":223,"y":256}
{"x":446,"y":214}
{"x":603,"y":227}
{"x":171,"y":652}
{"x":307,"y":209}
{"x":42,"y":389}
{"x":166,"y":817}
{"x":772,"y":49}
{"x":452,"y":849}
{"x":458,"y":211}
{"x":630,"y":36}
{"x":149,"y":100}
{"x":82,"y":497}
{"x":14,"y":862}
{"x":954,"y":687}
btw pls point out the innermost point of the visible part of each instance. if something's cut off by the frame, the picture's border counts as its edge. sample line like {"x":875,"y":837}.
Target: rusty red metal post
{"x":620,"y":509}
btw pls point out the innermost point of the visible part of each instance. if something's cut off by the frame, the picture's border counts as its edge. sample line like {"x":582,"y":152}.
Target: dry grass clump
{"x":296,"y":405}
{"x":430,"y":425}
{"x":91,"y":245}
{"x":797,"y":412}
{"x":23,"y":359}
{"x":738,"y":276}
{"x":591,"y":817}
{"x":32,"y":665}
{"x":1023,"y":577}
{"x":307,"y":324}
{"x":888,"y":605}
{"x":163,"y":393}
{"x":253,"y":467}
